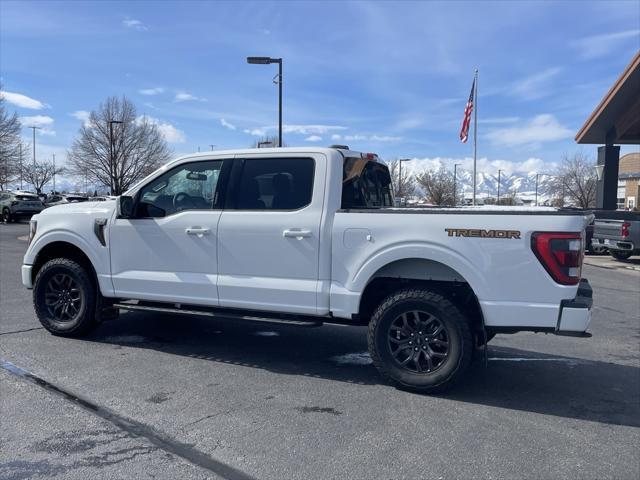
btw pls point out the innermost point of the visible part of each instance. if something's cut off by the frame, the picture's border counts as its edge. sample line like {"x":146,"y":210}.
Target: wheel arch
{"x":420,"y":272}
{"x":63,"y":249}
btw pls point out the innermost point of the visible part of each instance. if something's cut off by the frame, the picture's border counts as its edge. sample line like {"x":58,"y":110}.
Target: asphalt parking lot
{"x":158,"y":396}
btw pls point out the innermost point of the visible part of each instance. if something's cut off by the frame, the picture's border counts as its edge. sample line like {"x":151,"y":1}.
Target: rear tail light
{"x":560,"y":254}
{"x":625,"y":229}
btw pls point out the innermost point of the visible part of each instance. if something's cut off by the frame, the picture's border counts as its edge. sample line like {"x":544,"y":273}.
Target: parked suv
{"x":16,"y":205}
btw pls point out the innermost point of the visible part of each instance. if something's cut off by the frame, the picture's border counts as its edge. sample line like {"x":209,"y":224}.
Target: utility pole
{"x":455,"y":181}
{"x":54,"y":173}
{"x":211,"y":147}
{"x":537,"y":176}
{"x":498,"y":200}
{"x":111,"y":166}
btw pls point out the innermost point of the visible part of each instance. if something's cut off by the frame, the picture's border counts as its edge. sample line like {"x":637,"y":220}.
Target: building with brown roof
{"x":614,"y":122}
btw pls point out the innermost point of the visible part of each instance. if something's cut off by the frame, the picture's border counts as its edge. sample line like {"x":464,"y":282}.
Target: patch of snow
{"x":361,"y":358}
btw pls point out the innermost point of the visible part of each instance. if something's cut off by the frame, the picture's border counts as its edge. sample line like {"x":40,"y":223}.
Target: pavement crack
{"x":158,"y":439}
{"x":21,"y":331}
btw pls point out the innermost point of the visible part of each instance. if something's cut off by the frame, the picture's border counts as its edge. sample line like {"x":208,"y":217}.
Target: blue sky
{"x":392,"y":78}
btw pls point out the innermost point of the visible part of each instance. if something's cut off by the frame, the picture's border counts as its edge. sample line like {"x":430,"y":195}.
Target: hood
{"x":88,"y":208}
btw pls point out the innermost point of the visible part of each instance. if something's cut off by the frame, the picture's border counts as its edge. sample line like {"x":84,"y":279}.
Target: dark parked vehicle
{"x":59,"y":199}
{"x":619,"y":232}
{"x":16,"y":205}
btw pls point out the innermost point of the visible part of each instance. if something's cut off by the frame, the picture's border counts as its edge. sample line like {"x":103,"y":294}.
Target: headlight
{"x":33,"y":226}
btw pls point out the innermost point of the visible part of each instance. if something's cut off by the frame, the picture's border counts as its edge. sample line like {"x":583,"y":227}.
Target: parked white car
{"x":307,"y":236}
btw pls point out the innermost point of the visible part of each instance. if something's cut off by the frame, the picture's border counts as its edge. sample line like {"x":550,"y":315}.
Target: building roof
{"x":616,"y":120}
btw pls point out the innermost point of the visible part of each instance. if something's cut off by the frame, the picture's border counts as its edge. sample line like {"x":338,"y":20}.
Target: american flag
{"x":466,"y":121}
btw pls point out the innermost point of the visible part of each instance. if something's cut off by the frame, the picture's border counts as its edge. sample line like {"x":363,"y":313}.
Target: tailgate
{"x":611,"y":229}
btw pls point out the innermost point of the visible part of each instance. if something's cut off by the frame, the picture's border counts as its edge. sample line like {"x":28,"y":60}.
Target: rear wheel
{"x":420,"y":341}
{"x":620,"y":254}
{"x":64,"y":297}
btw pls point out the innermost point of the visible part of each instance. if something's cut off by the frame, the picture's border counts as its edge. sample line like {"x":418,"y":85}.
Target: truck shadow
{"x":514,"y":379}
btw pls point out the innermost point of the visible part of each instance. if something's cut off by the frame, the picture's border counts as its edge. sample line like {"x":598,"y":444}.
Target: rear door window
{"x":275,"y":184}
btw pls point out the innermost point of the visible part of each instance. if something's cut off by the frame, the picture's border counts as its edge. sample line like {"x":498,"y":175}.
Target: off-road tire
{"x":620,"y":254}
{"x":81,"y":322}
{"x":458,"y":330}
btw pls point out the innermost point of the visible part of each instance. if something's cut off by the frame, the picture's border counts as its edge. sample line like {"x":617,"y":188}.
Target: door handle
{"x":299,"y":234}
{"x":197,"y":231}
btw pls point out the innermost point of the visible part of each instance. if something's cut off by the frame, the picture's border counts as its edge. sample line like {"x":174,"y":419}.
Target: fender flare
{"x":424,"y":251}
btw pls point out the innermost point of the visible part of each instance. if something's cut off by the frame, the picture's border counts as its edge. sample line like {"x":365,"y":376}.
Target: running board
{"x":222,"y":314}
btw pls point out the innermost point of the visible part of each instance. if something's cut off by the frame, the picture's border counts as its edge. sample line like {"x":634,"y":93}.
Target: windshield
{"x":365,"y":184}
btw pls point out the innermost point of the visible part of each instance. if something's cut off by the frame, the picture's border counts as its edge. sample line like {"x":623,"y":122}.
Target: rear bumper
{"x":575,"y":314}
{"x":613,"y":244}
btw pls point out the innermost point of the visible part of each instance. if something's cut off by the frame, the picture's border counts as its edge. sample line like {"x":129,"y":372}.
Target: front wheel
{"x":420,"y":341}
{"x":6,"y":216}
{"x":64,"y":298}
{"x":620,"y":254}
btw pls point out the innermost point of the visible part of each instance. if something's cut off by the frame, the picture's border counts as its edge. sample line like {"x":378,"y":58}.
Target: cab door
{"x":168,"y":252}
{"x":269,"y":233}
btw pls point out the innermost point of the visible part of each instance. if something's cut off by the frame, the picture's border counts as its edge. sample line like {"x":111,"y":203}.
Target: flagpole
{"x":475,"y":133}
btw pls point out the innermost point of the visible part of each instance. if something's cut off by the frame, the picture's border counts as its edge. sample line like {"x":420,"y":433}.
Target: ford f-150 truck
{"x":305,"y":236}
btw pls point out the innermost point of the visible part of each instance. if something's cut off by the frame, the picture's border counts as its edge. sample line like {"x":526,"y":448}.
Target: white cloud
{"x":226,"y":124}
{"x":135,"y":24}
{"x":257,"y":132}
{"x":540,"y":129}
{"x":497,"y":120}
{"x":187,"y":97}
{"x":170,"y":133}
{"x":535,"y":86}
{"x":82,"y":115}
{"x":151,"y":91}
{"x":22,"y":101}
{"x":313,"y":138}
{"x":296,"y":129}
{"x":370,"y":138}
{"x":596,"y":46}
{"x":43,"y":122}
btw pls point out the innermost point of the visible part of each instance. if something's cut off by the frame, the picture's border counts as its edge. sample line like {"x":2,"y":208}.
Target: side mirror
{"x":125,"y":207}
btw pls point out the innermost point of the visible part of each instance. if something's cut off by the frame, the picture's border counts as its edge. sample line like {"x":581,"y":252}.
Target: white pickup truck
{"x":306,"y":236}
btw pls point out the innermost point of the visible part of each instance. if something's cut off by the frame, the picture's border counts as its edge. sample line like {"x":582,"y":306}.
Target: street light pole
{"x":211,"y":145}
{"x":54,"y":173}
{"x":20,"y":146}
{"x":537,"y":176}
{"x":266,"y":61}
{"x":111,"y":167}
{"x":498,"y":200}
{"x":455,"y":181}
{"x":34,"y":128}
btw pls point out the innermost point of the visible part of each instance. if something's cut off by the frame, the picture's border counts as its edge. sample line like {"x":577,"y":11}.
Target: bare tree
{"x":576,"y":178}
{"x":136,"y":149}
{"x":9,"y":146}
{"x":438,"y":186}
{"x":40,"y":173}
{"x":267,"y":141}
{"x":405,"y":186}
